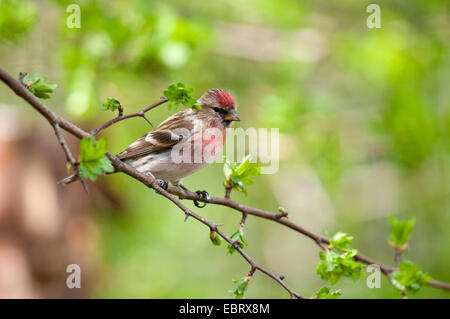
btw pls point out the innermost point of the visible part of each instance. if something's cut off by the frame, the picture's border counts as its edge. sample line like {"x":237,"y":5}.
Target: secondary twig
{"x":122,"y":117}
{"x":69,"y":157}
{"x":398,"y":256}
{"x":319,"y":240}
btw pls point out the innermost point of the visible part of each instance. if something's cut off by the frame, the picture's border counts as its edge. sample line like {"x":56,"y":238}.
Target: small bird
{"x":187,"y":135}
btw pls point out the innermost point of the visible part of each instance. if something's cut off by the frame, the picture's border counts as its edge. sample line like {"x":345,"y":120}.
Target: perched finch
{"x":185,"y":142}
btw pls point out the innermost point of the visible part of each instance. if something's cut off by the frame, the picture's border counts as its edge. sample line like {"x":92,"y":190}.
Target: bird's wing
{"x":165,"y":136}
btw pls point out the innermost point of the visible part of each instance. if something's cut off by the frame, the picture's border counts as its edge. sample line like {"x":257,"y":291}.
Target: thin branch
{"x":319,"y":240}
{"x":122,"y":117}
{"x":396,"y":283}
{"x":69,"y":157}
{"x":398,"y":256}
{"x":228,"y":190}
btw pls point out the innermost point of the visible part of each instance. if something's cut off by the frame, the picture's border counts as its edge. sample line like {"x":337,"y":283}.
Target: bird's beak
{"x":232,"y":117}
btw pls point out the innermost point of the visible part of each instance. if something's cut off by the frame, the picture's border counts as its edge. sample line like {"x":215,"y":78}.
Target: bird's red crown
{"x":225,"y":100}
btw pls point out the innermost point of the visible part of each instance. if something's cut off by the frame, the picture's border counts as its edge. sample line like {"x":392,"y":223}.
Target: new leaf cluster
{"x":38,"y":85}
{"x":93,"y":161}
{"x":239,"y":175}
{"x":400,"y":232}
{"x":178,"y":94}
{"x":215,"y":238}
{"x":240,"y":287}
{"x":111,"y":104}
{"x":237,"y":236}
{"x":338,"y":261}
{"x":409,"y":277}
{"x":325,"y":293}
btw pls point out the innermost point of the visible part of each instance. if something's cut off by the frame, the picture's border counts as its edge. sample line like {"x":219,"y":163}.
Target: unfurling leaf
{"x":409,"y":277}
{"x":215,"y":238}
{"x":240,"y":287}
{"x":38,"y":85}
{"x":340,"y":241}
{"x":93,"y":161}
{"x":338,"y":261}
{"x":400,"y":232}
{"x":180,"y":94}
{"x":237,"y":236}
{"x":333,"y":266}
{"x":238,"y":175}
{"x":111,"y":104}
{"x":324,"y":293}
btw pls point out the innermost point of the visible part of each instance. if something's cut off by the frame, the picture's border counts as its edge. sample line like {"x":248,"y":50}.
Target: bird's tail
{"x":68,"y":179}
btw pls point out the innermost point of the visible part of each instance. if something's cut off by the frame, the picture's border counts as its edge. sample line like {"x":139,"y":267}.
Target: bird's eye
{"x":220,"y":110}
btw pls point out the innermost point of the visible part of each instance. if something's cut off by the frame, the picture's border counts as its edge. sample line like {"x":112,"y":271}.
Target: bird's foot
{"x":162,"y":183}
{"x":203,"y":194}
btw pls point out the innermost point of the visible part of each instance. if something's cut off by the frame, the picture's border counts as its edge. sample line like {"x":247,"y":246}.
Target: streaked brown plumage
{"x":153,"y":151}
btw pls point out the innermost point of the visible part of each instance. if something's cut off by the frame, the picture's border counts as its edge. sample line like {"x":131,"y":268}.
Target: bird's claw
{"x":163,"y":184}
{"x":203,"y":194}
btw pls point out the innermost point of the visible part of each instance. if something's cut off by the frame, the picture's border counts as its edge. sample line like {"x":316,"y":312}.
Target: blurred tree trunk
{"x":44,"y":226}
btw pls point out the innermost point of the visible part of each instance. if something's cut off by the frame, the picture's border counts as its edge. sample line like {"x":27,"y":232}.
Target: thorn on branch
{"x":146,"y":118}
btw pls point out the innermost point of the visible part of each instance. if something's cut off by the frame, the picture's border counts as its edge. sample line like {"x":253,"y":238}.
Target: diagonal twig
{"x":122,"y":117}
{"x":69,"y":157}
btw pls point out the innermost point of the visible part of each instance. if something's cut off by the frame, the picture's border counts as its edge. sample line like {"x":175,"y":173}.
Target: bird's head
{"x":222,"y":103}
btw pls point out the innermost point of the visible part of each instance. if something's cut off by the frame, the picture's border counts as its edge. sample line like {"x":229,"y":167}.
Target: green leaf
{"x":340,"y":241}
{"x":324,"y":293}
{"x":228,"y":168}
{"x":238,"y":175}
{"x":243,"y":166}
{"x":333,"y":266}
{"x":240,"y":287}
{"x":400,"y":232}
{"x":238,"y":235}
{"x":111,"y":104}
{"x":215,"y":238}
{"x":178,"y":95}
{"x":93,"y":161}
{"x":38,"y":85}
{"x":410,"y":277}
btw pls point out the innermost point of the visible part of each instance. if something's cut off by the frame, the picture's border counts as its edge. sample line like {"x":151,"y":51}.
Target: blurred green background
{"x":364,"y":119}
